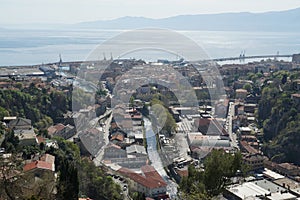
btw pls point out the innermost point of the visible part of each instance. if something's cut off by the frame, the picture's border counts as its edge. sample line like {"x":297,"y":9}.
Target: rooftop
{"x":136,"y":149}
{"x":149,"y":178}
{"x":271,"y":174}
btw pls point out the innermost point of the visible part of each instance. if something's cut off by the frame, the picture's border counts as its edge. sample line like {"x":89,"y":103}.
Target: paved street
{"x":156,"y":160}
{"x":232,"y":135}
{"x":124,"y":187}
{"x":105,"y":133}
{"x":180,"y":138}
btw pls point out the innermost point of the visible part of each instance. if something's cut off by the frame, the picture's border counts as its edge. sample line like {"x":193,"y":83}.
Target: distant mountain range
{"x":268,"y":21}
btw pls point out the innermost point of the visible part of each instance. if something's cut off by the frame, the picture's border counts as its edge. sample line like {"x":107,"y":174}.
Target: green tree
{"x":68,"y":181}
{"x":248,"y":87}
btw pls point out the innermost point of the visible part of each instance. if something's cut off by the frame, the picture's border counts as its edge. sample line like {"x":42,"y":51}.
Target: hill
{"x":269,"y":21}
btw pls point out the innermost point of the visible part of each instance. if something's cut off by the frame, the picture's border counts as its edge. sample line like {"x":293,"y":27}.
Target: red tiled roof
{"x":48,"y":158}
{"x":248,"y":148}
{"x":150,"y":178}
{"x":204,"y":122}
{"x":150,"y":172}
{"x":182,"y":173}
{"x":37,"y":165}
{"x":59,"y":127}
{"x":53,"y":129}
{"x":118,"y":136}
{"x":288,"y":166}
{"x":296,"y":95}
{"x":41,"y":139}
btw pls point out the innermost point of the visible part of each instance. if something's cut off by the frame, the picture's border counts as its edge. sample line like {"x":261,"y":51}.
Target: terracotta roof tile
{"x":38,"y":165}
{"x":150,"y":177}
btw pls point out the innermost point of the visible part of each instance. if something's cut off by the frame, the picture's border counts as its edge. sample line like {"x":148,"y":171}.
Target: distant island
{"x":244,"y":21}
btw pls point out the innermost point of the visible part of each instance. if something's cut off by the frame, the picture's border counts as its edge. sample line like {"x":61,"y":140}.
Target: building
{"x":175,"y":114}
{"x":114,"y":151}
{"x":23,"y":130}
{"x":46,"y":162}
{"x":254,"y":161}
{"x":241,"y":94}
{"x":296,"y":58}
{"x":261,"y":189}
{"x":250,"y":108}
{"x":90,"y":141}
{"x":20,"y":123}
{"x":40,"y":172}
{"x":148,"y":182}
{"x":48,"y":71}
{"x":210,"y":126}
{"x":245,"y":130}
{"x":288,"y":169}
{"x":247,"y":148}
{"x":134,"y":157}
{"x":26,"y":136}
{"x":296,"y":98}
{"x":136,"y":149}
{"x":61,"y":130}
{"x":200,"y":145}
{"x":289,"y":184}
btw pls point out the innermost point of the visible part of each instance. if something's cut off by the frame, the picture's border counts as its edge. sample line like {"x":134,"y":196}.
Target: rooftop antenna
{"x":111,"y":56}
{"x":104,"y":58}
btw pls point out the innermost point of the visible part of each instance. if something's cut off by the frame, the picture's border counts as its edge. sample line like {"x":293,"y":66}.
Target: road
{"x":156,"y":160}
{"x":232,"y":135}
{"x":99,"y":156}
{"x":123,"y":185}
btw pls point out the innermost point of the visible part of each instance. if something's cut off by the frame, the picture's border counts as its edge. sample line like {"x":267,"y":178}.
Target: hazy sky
{"x":72,"y":11}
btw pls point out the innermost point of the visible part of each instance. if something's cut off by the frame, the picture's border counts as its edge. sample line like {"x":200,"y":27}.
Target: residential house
{"x":288,"y":169}
{"x":148,"y":182}
{"x":26,"y":136}
{"x":23,"y":130}
{"x":61,"y":130}
{"x":241,"y":94}
{"x":40,"y":173}
{"x":254,"y":161}
{"x":20,"y":123}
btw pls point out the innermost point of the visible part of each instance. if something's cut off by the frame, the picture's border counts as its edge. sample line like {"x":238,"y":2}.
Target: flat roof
{"x":287,"y":182}
{"x":248,"y":189}
{"x":245,"y":128}
{"x":271,"y":174}
{"x":139,"y":136}
{"x":9,"y":118}
{"x":269,"y":186}
{"x":281,"y":196}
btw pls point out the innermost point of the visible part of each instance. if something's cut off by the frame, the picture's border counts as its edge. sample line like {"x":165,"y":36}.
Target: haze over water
{"x":26,"y":47}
